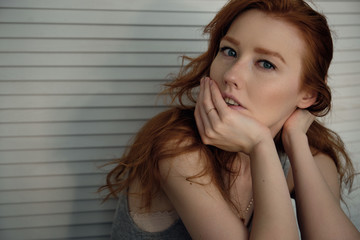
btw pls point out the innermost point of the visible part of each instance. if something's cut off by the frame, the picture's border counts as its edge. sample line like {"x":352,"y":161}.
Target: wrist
{"x":290,"y":138}
{"x":264,"y":139}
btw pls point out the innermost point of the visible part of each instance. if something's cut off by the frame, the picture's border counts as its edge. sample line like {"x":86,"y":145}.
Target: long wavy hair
{"x":176,"y":125}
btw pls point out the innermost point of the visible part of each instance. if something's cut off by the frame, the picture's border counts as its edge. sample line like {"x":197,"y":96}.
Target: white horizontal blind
{"x":77,"y":80}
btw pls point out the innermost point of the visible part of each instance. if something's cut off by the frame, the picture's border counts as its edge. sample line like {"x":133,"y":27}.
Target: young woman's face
{"x":258,"y":68}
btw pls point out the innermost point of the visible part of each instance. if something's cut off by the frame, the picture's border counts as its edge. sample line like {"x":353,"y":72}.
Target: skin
{"x":238,"y":72}
{"x":270,"y":99}
{"x":241,"y":78}
{"x":266,"y":85}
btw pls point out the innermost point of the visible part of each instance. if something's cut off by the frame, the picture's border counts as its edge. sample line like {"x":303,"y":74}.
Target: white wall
{"x":79,"y":77}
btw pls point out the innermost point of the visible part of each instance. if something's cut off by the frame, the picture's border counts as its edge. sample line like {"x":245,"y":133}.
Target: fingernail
{"x":211,"y":82}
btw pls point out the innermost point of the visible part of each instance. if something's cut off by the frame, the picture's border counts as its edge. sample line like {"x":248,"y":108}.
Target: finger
{"x":217,"y":99}
{"x":202,"y":109}
{"x":206,"y":106}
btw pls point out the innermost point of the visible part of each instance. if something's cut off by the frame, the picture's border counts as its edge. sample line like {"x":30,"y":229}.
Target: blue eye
{"x":228,"y":51}
{"x":266,"y":65}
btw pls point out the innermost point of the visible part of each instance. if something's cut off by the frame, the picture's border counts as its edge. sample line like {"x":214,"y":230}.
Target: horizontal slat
{"x":343,"y":115}
{"x":161,"y":5}
{"x":70,"y":101}
{"x":101,"y":87}
{"x":87,"y":114}
{"x":49,"y":195}
{"x":348,"y":44}
{"x":85,"y":73}
{"x":344,"y":31}
{"x":344,"y":68}
{"x":156,"y":5}
{"x":344,"y":80}
{"x":137,"y":46}
{"x":348,"y":56}
{"x":99,"y":59}
{"x":61,"y":31}
{"x":105,"y":17}
{"x":60,"y":142}
{"x":54,"y":169}
{"x":345,"y":126}
{"x":57,"y":220}
{"x":43,"y":181}
{"x":347,"y":103}
{"x":351,"y":136}
{"x":71,"y":128}
{"x":336,"y":6}
{"x":60,"y":155}
{"x":343,"y":19}
{"x":346,"y":91}
{"x":88,"y":232}
{"x":27,"y":209}
{"x":76,"y":33}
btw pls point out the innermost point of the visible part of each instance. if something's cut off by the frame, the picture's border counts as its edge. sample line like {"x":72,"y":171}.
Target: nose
{"x":235,"y":75}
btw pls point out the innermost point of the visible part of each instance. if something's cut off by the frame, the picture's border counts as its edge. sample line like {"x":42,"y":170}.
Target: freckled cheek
{"x":278,"y":104}
{"x":215,"y":73}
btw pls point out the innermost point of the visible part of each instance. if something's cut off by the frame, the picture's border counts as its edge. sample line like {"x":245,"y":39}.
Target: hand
{"x":298,"y":123}
{"x":224,"y":127}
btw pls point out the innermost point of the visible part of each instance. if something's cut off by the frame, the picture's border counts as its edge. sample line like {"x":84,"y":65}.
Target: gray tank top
{"x":124,"y":228}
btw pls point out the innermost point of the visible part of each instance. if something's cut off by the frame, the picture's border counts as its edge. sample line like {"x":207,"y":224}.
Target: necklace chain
{"x":243,"y":213}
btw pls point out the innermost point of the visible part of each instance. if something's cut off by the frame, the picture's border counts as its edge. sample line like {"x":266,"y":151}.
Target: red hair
{"x":177,"y":125}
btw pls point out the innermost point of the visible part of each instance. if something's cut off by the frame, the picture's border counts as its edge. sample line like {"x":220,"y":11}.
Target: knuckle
{"x":205,"y":141}
{"x":208,"y":133}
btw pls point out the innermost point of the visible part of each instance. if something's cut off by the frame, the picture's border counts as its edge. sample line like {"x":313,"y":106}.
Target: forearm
{"x":274,"y":217}
{"x":319,"y":212}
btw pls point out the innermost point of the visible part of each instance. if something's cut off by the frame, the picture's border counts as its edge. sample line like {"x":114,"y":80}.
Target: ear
{"x":307,"y":98}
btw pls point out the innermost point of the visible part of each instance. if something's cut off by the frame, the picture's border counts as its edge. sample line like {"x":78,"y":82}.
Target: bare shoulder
{"x":185,"y":165}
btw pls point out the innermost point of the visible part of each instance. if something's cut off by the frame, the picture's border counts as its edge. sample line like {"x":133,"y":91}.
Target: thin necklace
{"x":245,"y":212}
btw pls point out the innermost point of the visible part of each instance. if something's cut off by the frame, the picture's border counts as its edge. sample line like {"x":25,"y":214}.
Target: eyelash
{"x":223,"y":49}
{"x":272,"y":66}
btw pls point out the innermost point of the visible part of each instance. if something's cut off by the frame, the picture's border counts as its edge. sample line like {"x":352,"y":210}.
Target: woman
{"x":212,"y":171}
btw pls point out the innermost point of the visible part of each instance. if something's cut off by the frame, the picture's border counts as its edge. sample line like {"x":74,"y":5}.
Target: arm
{"x":199,"y":204}
{"x":316,"y":185}
{"x":233,"y":131}
{"x":273,"y":215}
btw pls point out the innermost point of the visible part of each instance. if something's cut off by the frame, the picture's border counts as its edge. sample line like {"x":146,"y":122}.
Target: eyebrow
{"x":268,"y":52}
{"x":257,"y":50}
{"x":232,"y":40}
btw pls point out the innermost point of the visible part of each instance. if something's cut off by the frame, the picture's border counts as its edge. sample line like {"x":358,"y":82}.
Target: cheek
{"x":216,"y":71}
{"x":213,"y":70}
{"x":279,"y":103}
